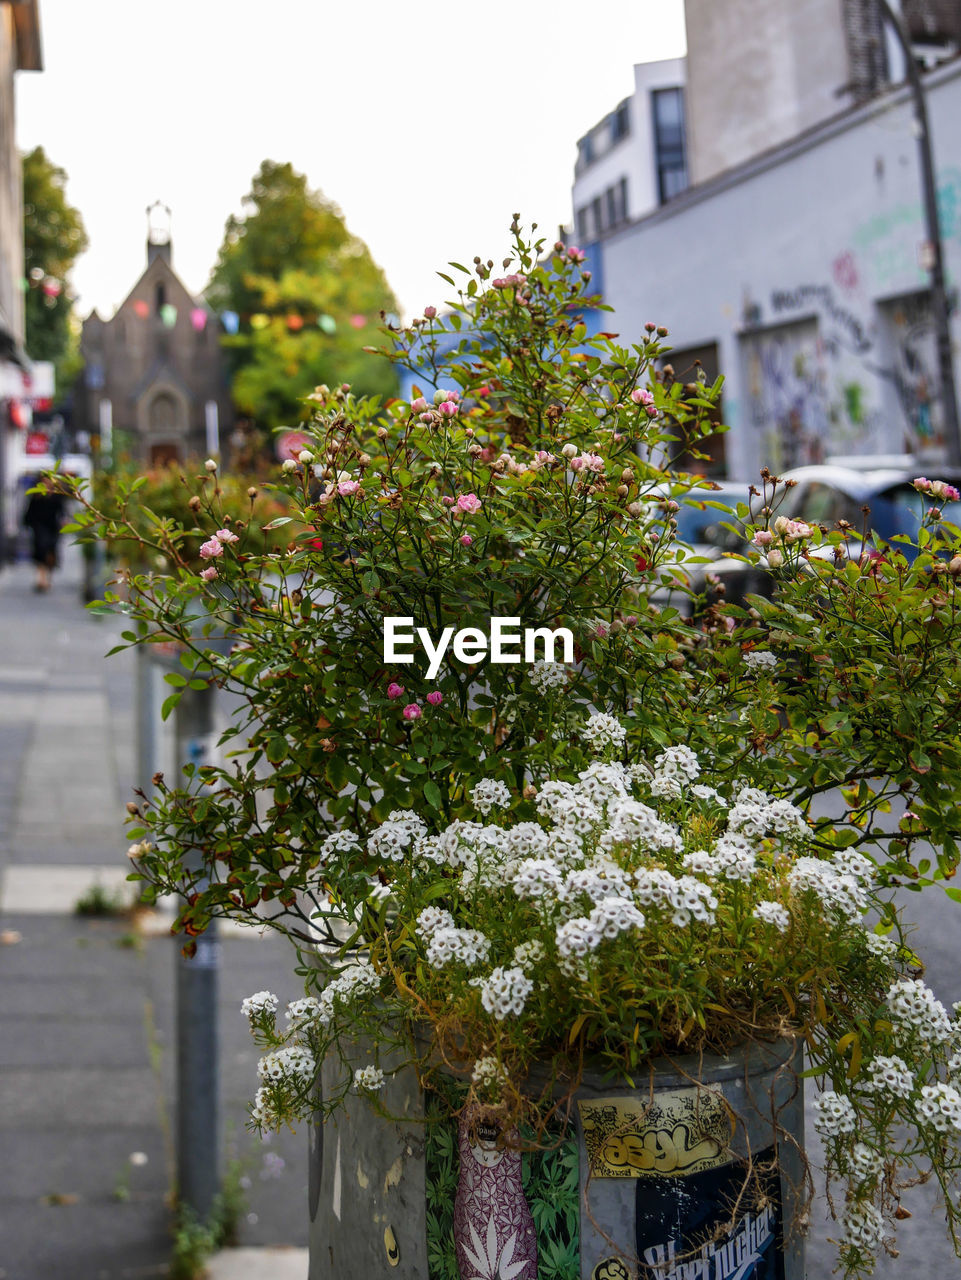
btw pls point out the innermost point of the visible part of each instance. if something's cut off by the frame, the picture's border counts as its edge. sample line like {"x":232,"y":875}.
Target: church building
{"x":154,"y":382}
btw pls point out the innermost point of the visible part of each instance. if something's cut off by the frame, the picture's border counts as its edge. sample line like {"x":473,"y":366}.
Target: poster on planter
{"x":685,"y":1188}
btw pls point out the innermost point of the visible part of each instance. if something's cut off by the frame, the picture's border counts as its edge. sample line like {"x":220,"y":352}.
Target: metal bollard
{"x":198,"y":1073}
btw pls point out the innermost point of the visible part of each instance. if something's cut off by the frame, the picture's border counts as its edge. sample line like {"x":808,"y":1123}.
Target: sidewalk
{"x":86,"y":1004}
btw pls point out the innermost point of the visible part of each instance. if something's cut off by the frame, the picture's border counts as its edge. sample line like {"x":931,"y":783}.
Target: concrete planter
{"x":694,"y":1176}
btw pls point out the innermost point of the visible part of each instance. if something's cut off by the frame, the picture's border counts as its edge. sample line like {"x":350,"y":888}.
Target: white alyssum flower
{"x":602,"y":731}
{"x":490,"y":793}
{"x":260,"y":1003}
{"x":835,"y":891}
{"x":302,"y":1012}
{"x":940,"y":1106}
{"x":734,"y":861}
{"x":864,"y":1162}
{"x":863,"y":1225}
{"x":488,"y":1075}
{"x":537,"y":878}
{"x":293,"y":1063}
{"x":888,"y":1074}
{"x":914,"y":1007}
{"x":577,"y":937}
{"x":547,"y":675}
{"x":431,"y":919}
{"x":759,"y":660}
{"x":526,"y":840}
{"x":677,"y":762}
{"x":772,"y":913}
{"x":834,"y":1114}
{"x":703,"y":792}
{"x":632,"y":822}
{"x":528,"y":954}
{"x":699,"y":862}
{"x":563,"y":805}
{"x":505,"y":991}
{"x":614,"y":915}
{"x":686,"y":897}
{"x":337,"y":844}
{"x":882,"y":945}
{"x":369,"y":1078}
{"x":466,"y":946}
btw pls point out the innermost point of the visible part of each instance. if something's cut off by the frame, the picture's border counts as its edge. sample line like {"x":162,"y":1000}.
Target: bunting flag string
{"x":231,"y":321}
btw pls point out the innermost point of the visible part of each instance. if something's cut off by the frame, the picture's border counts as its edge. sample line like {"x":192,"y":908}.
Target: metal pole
{"x":939,"y":301}
{"x":198,"y":1074}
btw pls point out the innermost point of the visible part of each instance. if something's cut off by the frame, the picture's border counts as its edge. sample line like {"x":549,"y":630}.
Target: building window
{"x":669,"y":149}
{"x":583,"y":225}
{"x":160,"y":299}
{"x":620,"y":123}
{"x":598,"y":210}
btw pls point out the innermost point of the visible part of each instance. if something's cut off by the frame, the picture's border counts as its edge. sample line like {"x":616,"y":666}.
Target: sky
{"x":429,"y":123}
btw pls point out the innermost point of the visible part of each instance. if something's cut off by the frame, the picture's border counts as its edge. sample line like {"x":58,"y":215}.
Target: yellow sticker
{"x":390,"y":1244}
{"x":611,"y":1269}
{"x":671,"y":1134}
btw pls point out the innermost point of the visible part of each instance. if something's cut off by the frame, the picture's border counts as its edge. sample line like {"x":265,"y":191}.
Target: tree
{"x":53,"y":239}
{"x":308,"y":296}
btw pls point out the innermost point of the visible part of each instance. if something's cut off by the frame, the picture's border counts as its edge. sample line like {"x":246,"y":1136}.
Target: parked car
{"x":827,"y":493}
{"x":708,"y":549}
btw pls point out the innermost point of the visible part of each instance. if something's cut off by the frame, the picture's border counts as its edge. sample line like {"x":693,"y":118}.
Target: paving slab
{"x":56,"y":889}
{"x":259,"y":1264}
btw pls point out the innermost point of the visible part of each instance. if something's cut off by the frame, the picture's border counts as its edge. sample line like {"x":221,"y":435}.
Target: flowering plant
{"x":625,"y":910}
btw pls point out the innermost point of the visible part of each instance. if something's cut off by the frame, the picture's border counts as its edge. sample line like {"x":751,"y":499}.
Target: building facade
{"x":635,"y":158}
{"x":802,"y":276}
{"x":154,"y":383}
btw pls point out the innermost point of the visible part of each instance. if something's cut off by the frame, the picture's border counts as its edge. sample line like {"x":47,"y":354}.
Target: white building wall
{"x":632,"y":157}
{"x":804,"y":268}
{"x":759,"y":72}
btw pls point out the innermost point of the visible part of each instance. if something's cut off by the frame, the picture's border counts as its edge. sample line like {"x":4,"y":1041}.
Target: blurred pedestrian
{"x":43,"y":517}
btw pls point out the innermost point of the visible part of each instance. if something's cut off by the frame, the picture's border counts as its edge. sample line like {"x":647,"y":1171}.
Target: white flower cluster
{"x":603,"y":731}
{"x":547,"y":675}
{"x":834,"y":1114}
{"x":915,"y":1008}
{"x":360,"y":978}
{"x":337,"y":844}
{"x":772,"y":913}
{"x":686,"y":897}
{"x":395,"y":837}
{"x":673,"y":771}
{"x":490,"y":793}
{"x":940,"y":1107}
{"x":864,"y":1163}
{"x":882,"y":946}
{"x":890,"y":1075}
{"x":755,"y":813}
{"x":759,"y":659}
{"x":863,"y":1226}
{"x":300,"y":1013}
{"x":635,"y":823}
{"x":469,"y":947}
{"x":259,"y":1004}
{"x":488,"y":1076}
{"x":505,"y":991}
{"x":528,"y":954}
{"x":734,"y":859}
{"x":293,"y":1064}
{"x":368,"y":1078}
{"x":837,"y":889}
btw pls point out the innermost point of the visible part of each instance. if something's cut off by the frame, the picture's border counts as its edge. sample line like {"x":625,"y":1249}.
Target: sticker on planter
{"x":669,"y":1134}
{"x":680,"y":1223}
{"x":611,"y":1269}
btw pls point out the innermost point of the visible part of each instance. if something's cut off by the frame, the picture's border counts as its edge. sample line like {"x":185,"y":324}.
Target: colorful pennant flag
{"x":231,"y":321}
{"x":168,"y":314}
{"x":198,"y":318}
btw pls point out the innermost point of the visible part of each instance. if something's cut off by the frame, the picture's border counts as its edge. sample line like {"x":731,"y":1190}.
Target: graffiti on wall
{"x":888,"y":240}
{"x":786,"y":394}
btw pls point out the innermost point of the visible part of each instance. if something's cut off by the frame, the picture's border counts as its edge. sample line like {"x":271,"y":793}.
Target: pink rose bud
{"x":430,"y":313}
{"x":466,"y":540}
{"x":418,"y":405}
{"x":575,"y":254}
{"x":224,"y":535}
{"x":427,"y":417}
{"x":775,"y":559}
{"x":211,"y":548}
{"x":763,"y":538}
{"x":209,"y":573}
{"x":448,"y":408}
{"x":453,"y":395}
{"x":558,"y":246}
{"x":394,"y":690}
{"x":469,"y":502}
{"x":447,"y":500}
{"x":412,"y":711}
{"x":435,"y":698}
{"x":347,"y":488}
{"x":601,"y":631}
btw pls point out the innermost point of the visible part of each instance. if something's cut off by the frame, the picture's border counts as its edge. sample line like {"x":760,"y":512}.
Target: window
{"x":598,"y":211}
{"x":583,"y":225}
{"x":669,"y":148}
{"x":622,"y":188}
{"x":620,"y":123}
{"x":160,"y":299}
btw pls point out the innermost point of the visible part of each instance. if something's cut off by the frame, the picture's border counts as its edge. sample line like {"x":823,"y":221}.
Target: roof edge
{"x":26,"y":22}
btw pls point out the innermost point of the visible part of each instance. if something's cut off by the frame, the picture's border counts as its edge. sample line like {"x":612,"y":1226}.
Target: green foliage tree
{"x":54,"y":237}
{"x":291,"y":260}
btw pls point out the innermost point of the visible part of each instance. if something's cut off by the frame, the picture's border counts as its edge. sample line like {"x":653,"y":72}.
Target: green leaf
{"x":276,"y":524}
{"x":432,"y":794}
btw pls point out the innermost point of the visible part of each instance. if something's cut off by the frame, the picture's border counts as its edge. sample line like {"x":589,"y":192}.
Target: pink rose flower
{"x":419,"y":405}
{"x":211,"y":548}
{"x":587,"y":462}
{"x":448,"y":408}
{"x":466,"y":540}
{"x":412,"y":711}
{"x":763,"y":538}
{"x":394,"y":690}
{"x":430,"y":313}
{"x":469,"y":502}
{"x":225,"y":536}
{"x":347,"y":488}
{"x":209,"y":573}
{"x":435,"y":698}
{"x":575,"y":254}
